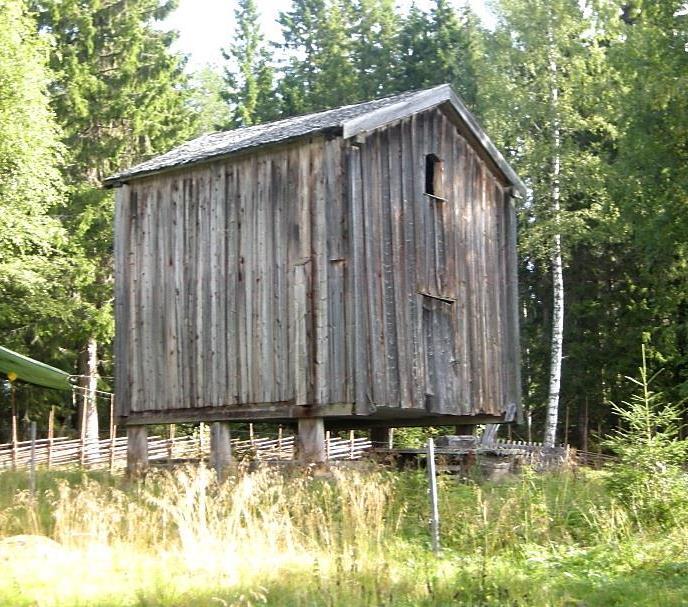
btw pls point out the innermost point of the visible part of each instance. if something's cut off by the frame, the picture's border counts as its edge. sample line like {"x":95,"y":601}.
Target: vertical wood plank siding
{"x":434,"y":291}
{"x":317,"y":273}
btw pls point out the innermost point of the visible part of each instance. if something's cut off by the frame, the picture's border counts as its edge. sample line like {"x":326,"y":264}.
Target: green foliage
{"x":119,"y":95}
{"x":438,"y":46}
{"x":35,"y":303}
{"x":650,"y":477}
{"x":318,"y":72}
{"x":206,"y":100}
{"x":249,"y":77}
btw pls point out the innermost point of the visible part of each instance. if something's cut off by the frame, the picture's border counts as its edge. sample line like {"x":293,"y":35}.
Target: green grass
{"x":355,"y":539}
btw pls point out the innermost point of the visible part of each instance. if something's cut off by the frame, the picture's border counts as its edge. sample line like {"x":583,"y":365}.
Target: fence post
{"x":201,"y":442}
{"x":327,"y":444}
{"x":434,"y":510}
{"x":82,"y":449}
{"x":351,"y":444}
{"x":113,"y":432}
{"x":250,"y":434}
{"x":51,"y":431}
{"x":170,"y":443}
{"x":279,"y":442}
{"x":32,"y":469}
{"x":14,"y":426}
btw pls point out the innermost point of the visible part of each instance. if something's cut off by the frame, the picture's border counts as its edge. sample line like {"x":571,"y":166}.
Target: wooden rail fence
{"x":112,"y":453}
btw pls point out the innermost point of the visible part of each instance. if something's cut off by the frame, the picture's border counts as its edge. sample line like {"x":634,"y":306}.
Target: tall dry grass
{"x":274,"y":537}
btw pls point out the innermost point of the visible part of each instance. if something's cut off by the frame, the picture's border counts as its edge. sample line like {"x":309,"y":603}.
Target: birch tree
{"x":542,"y":81}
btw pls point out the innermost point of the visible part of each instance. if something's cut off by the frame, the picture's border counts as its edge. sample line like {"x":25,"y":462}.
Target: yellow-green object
{"x":19,"y":367}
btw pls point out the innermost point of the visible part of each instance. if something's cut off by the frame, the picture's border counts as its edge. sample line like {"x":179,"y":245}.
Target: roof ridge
{"x":346,"y":120}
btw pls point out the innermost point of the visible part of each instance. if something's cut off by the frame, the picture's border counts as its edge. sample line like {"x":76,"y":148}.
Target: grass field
{"x":356,"y":538}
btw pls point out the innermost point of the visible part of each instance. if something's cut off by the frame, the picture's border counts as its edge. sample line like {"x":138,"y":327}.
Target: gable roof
{"x":347,"y":121}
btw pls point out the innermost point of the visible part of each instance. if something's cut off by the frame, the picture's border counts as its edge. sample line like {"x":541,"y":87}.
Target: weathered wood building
{"x":347,"y":268}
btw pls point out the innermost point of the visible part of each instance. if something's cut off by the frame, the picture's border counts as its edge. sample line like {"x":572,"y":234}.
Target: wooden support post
{"x":391,"y":439}
{"x":311,"y":440}
{"x":379,"y":437}
{"x":434,"y":509}
{"x":51,"y":433}
{"x":250,"y":435}
{"x":220,"y":449}
{"x":137,"y":451}
{"x":352,"y":443}
{"x":327,"y":445}
{"x":279,"y":441}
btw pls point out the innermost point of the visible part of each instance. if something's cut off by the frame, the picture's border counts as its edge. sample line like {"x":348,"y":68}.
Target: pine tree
{"x":249,"y":76}
{"x":118,"y":94}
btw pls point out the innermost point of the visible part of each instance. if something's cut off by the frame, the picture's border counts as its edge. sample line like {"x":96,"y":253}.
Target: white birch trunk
{"x":88,"y":383}
{"x":557,"y":344}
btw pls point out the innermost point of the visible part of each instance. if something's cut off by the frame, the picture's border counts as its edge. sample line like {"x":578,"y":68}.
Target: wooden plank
{"x":410,"y":319}
{"x":398,"y":244}
{"x":462,"y":212}
{"x":122,"y":303}
{"x":320,"y":274}
{"x":232,"y":230}
{"x":361,"y":358}
{"x":374,"y":337}
{"x":280,"y":226}
{"x":335,"y":220}
{"x":387,"y":276}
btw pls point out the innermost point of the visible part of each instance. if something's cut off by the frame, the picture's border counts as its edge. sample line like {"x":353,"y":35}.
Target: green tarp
{"x":33,"y":371}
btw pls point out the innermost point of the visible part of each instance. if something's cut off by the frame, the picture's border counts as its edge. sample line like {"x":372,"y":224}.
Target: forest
{"x":585,"y":99}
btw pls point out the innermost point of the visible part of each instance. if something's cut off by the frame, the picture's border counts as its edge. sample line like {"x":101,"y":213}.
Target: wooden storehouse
{"x":352,"y":267}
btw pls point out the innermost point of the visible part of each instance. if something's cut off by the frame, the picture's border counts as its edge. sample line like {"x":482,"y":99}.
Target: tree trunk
{"x":556,"y":352}
{"x":88,"y":383}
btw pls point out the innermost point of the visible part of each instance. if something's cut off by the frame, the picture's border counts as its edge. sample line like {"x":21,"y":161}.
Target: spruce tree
{"x":248,"y":75}
{"x":319,"y":72}
{"x":373,"y":29}
{"x":650,"y":180}
{"x":119,"y":96}
{"x":440,"y":45}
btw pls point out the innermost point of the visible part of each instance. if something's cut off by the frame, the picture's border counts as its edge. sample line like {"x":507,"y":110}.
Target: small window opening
{"x":433,"y":175}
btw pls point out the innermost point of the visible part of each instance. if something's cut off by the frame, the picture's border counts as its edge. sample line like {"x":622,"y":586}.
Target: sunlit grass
{"x":355,"y":538}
